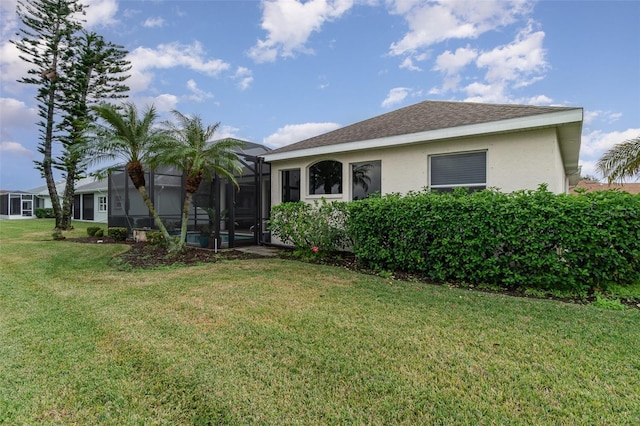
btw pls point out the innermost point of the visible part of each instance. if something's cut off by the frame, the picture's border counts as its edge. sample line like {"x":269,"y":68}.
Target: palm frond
{"x":622,"y":161}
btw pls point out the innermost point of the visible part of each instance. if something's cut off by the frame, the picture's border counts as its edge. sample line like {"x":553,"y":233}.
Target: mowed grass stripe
{"x":280,"y":342}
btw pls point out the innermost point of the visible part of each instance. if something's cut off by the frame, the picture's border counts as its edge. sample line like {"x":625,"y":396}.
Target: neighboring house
{"x":89,"y":203}
{"x":592,"y":186}
{"x":90,"y":200}
{"x":17,"y":205}
{"x":440,"y":145}
{"x":41,"y":193}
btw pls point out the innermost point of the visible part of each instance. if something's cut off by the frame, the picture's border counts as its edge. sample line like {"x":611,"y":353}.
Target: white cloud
{"x":16,"y":113}
{"x":15,"y":148}
{"x":596,"y":142}
{"x":486,"y":93}
{"x":297,"y":132}
{"x":539,"y":100}
{"x":170,"y":55}
{"x":165,"y":102}
{"x":431,"y":22}
{"x":289,"y":24}
{"x":244,"y":76}
{"x":605,"y":116}
{"x":408,"y":64}
{"x":510,"y":66}
{"x":153,"y":22}
{"x":197,"y":95}
{"x":395,"y":96}
{"x":452,"y":62}
{"x":100,"y":12}
{"x":521,"y":61}
{"x":224,"y":132}
{"x":9,"y":18}
{"x":12,"y":68}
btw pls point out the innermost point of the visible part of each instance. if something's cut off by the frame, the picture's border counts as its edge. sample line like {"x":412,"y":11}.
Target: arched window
{"x":325,"y":177}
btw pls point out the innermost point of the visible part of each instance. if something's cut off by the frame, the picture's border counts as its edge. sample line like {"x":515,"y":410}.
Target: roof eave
{"x":501,"y":126}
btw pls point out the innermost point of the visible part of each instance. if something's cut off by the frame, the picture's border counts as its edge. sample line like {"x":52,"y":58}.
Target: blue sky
{"x":279,"y":71}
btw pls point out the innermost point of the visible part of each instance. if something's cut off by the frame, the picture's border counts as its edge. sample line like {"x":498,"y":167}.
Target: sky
{"x":279,"y":71}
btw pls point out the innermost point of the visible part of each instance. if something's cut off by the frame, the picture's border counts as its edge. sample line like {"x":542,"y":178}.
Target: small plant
{"x":57,"y":235}
{"x":205,"y":230}
{"x":91,"y":230}
{"x":99,"y":233}
{"x":118,"y":234}
{"x":155,"y":238}
{"x":605,"y":302}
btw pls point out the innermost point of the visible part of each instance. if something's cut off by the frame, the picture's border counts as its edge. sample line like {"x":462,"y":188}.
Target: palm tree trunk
{"x":147,"y":200}
{"x":182,"y":242}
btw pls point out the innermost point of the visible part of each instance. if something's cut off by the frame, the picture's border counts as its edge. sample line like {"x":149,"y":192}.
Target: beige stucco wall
{"x":521,"y":160}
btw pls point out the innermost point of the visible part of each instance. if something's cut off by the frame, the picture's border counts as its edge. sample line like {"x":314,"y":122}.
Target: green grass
{"x":272,"y":341}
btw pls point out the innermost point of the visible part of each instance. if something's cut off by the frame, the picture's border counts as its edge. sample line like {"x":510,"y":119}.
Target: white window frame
{"x":102,"y":206}
{"x":470,"y":185}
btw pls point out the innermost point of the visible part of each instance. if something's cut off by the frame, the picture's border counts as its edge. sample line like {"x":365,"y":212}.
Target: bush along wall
{"x":42,"y":213}
{"x":527,"y":238}
{"x":319,"y":227}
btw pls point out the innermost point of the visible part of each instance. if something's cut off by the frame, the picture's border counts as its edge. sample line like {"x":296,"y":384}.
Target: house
{"x":89,"y":202}
{"x":16,"y":205}
{"x":440,"y":145}
{"x":435,"y":144}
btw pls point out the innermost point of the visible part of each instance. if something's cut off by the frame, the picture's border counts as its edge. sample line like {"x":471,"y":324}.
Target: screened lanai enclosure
{"x":221,"y":215}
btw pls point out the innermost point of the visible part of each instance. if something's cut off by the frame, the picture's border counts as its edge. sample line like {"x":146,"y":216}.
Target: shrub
{"x":315,"y":228}
{"x":118,"y":234}
{"x":155,"y":238}
{"x":99,"y":233}
{"x":42,"y":213}
{"x":57,"y":235}
{"x":527,"y":238}
{"x":91,"y":230}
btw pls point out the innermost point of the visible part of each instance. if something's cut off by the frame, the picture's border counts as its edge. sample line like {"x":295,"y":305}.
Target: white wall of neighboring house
{"x":99,"y":190}
{"x":99,"y":204}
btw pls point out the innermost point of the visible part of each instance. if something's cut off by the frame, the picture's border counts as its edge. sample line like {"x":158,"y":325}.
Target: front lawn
{"x":273,"y":341}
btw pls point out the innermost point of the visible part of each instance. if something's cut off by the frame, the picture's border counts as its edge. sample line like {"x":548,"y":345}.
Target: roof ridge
{"x":419,"y":117}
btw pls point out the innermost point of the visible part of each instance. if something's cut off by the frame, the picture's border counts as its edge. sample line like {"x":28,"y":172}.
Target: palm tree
{"x":622,"y":161}
{"x":128,"y":136}
{"x":190,"y":148}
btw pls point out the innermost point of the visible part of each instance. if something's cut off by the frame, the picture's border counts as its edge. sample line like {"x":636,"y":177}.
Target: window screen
{"x":365,"y":179}
{"x":459,"y":170}
{"x":325,"y":177}
{"x":290,"y":185}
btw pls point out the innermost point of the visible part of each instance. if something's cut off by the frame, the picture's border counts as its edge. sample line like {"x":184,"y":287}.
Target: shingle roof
{"x":592,"y":186}
{"x":423,"y":116}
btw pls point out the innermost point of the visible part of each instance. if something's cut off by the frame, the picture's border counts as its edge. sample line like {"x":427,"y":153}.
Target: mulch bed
{"x":146,"y":256}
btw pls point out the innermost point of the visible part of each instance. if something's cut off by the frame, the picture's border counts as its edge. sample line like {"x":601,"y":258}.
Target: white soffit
{"x":491,"y":127}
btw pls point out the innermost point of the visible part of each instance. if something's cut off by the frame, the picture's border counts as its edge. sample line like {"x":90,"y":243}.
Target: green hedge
{"x":527,"y":238}
{"x":118,"y":234}
{"x":91,"y":230}
{"x":43,"y":213}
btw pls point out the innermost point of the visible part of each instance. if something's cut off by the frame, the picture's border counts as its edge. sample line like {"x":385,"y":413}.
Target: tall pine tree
{"x":73,"y":69}
{"x":47,"y":33}
{"x":95,"y":71}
